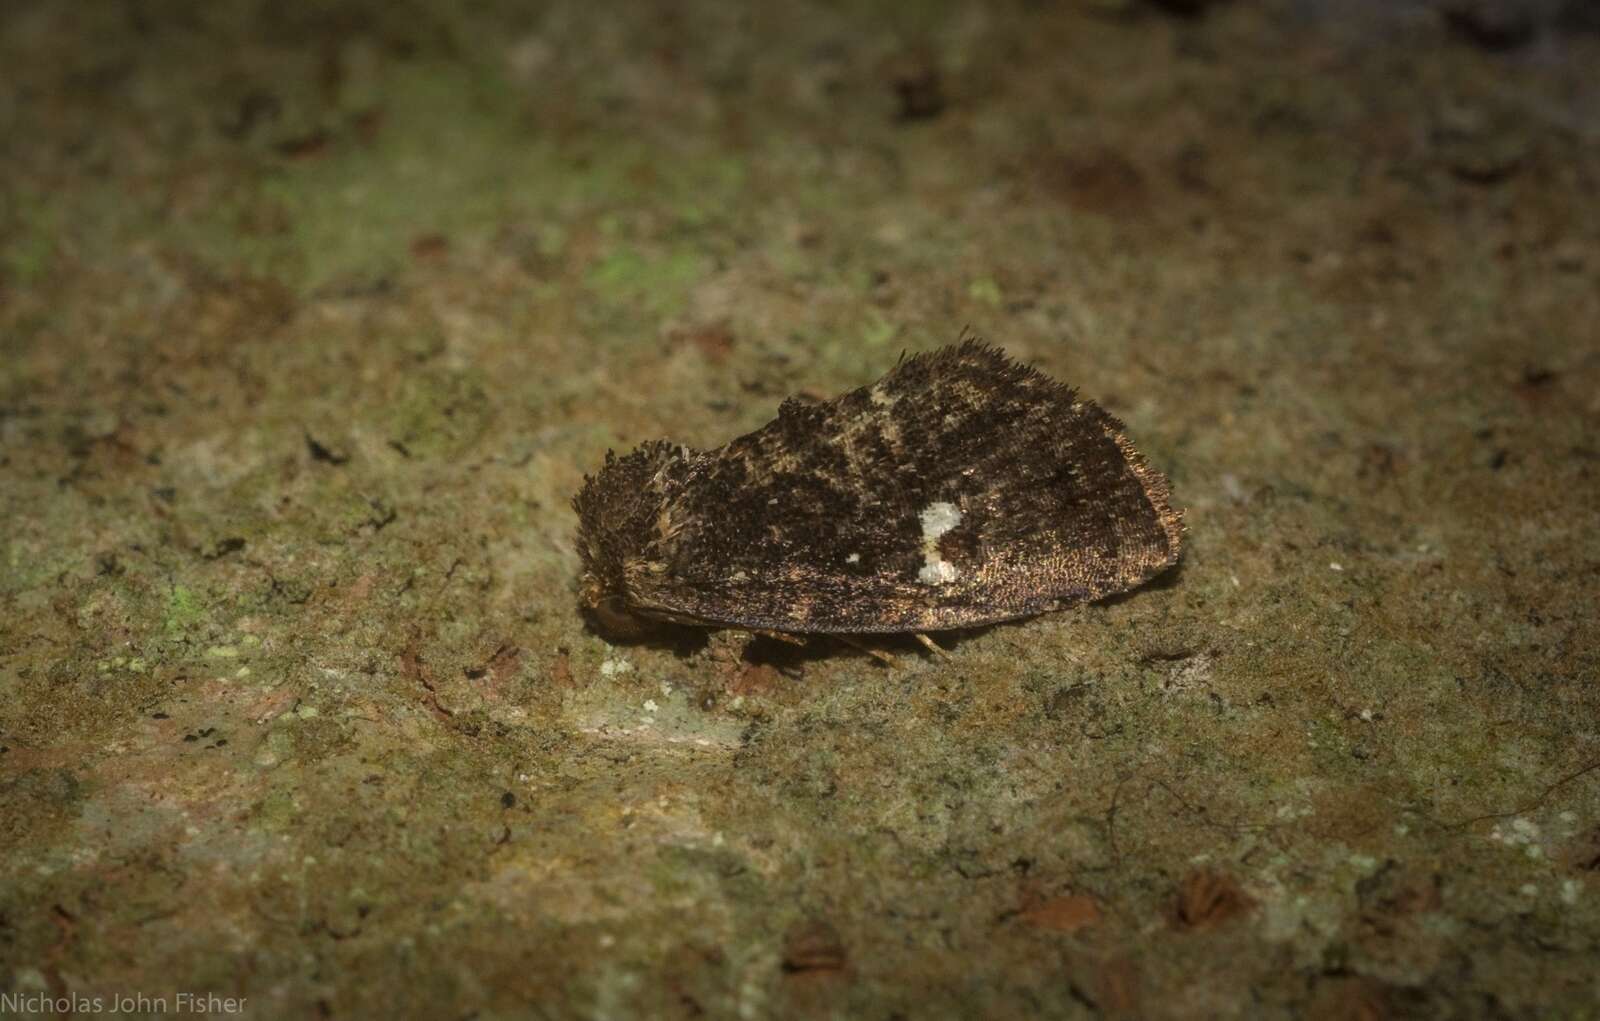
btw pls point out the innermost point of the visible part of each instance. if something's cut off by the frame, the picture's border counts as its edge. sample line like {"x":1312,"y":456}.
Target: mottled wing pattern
{"x":961,"y":489}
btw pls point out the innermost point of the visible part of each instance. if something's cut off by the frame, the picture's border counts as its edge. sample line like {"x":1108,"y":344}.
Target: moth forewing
{"x":960,"y":489}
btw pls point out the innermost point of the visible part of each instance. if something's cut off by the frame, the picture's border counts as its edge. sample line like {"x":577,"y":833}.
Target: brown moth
{"x":959,"y":490}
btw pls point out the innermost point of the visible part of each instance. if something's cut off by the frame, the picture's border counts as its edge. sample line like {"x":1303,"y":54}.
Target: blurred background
{"x":313,"y":317}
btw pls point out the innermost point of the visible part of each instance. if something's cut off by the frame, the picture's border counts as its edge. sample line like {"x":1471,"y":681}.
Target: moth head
{"x":608,"y":612}
{"x":620,"y":510}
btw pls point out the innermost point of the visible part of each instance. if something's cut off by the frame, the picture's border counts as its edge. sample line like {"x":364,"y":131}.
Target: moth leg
{"x":727,"y":646}
{"x":781,"y":636}
{"x":877,"y":654}
{"x":928,"y":643}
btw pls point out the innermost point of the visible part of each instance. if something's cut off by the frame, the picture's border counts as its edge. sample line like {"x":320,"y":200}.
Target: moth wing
{"x":961,"y":489}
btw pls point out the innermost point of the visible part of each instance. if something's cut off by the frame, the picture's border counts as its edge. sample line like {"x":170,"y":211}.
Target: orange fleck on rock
{"x":305,"y":146}
{"x":428,"y":247}
{"x":714,"y":340}
{"x":1064,"y":914}
{"x":813,"y":946}
{"x":561,"y":671}
{"x":505,"y":663}
{"x":1207,"y":898}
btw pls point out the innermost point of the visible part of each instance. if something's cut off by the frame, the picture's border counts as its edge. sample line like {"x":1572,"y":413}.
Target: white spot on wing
{"x":937,"y":519}
{"x":854,"y":558}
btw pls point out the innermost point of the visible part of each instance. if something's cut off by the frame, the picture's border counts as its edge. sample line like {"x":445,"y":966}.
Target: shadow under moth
{"x":961,"y":489}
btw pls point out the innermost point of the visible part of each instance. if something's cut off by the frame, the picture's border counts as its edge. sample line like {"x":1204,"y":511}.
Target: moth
{"x":961,"y":489}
